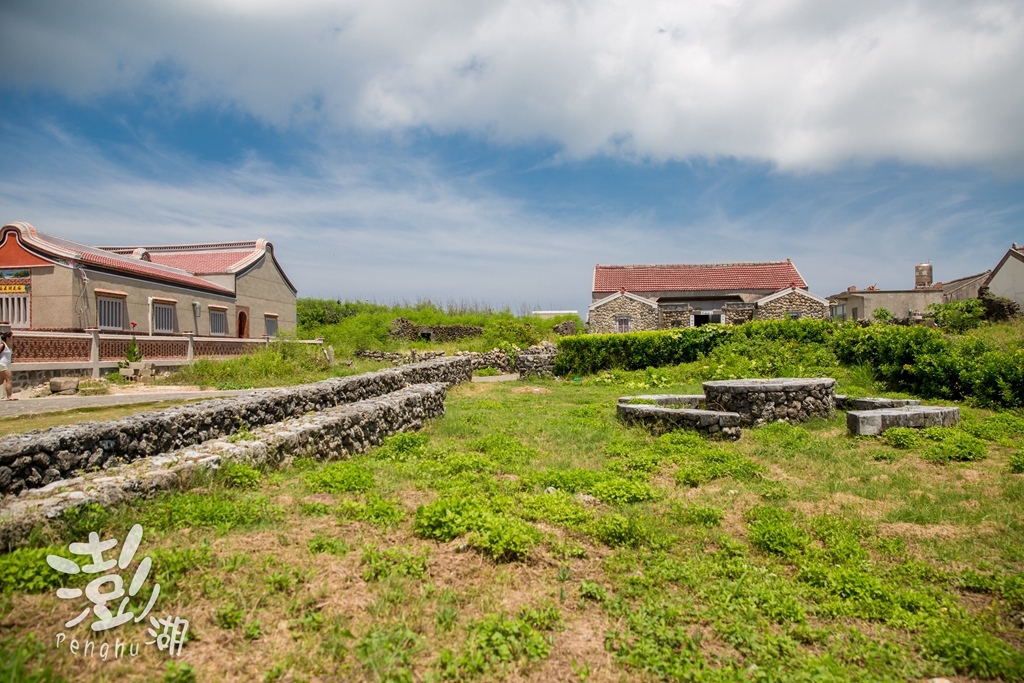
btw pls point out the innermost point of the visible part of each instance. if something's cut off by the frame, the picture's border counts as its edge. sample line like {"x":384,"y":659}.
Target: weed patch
{"x":340,"y":477}
{"x":378,"y":564}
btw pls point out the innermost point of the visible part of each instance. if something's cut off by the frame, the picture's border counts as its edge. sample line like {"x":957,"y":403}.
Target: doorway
{"x":243,"y":325}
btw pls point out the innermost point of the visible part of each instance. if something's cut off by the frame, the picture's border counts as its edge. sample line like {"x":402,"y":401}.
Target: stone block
{"x":60,"y":385}
{"x":875,"y":422}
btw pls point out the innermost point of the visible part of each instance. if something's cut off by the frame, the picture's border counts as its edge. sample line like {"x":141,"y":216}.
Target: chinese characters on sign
{"x":108,"y":590}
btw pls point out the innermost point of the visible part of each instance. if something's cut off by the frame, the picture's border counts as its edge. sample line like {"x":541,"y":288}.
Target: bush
{"x":621,"y":491}
{"x":772,"y":530}
{"x":585,"y":355}
{"x":956,"y":446}
{"x":504,"y":538}
{"x":340,"y":477}
{"x":957,"y":316}
{"x":448,"y":518}
{"x":619,"y":531}
{"x":901,"y":437}
{"x":241,"y":476}
{"x":1016,"y":464}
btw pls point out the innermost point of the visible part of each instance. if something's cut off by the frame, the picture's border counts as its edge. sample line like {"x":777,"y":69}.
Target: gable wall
{"x":1008,"y":281}
{"x":782,"y":307}
{"x":642,"y":316}
{"x":263,"y":290}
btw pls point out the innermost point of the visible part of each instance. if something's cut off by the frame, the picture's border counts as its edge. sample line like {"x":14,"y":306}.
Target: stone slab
{"x":64,"y":385}
{"x":682,"y":400}
{"x":844,"y":402}
{"x":875,"y":422}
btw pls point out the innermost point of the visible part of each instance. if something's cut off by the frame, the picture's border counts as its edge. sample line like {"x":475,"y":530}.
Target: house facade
{"x":1007,"y":278}
{"x":861,"y":304}
{"x":235,"y":289}
{"x":652,"y":297}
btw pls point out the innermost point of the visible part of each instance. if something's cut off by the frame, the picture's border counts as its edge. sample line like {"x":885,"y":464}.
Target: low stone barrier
{"x":874,"y":422}
{"x":759,"y":401}
{"x":538,"y":360}
{"x":36,"y":459}
{"x":868,"y":403}
{"x":676,"y":400}
{"x":661,"y":419}
{"x":336,"y":432}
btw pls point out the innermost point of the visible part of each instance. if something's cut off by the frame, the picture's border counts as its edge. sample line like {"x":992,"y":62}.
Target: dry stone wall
{"x":759,"y":401}
{"x":790,"y":305}
{"x":336,"y":432}
{"x":36,"y":459}
{"x":537,"y":361}
{"x":642,"y":316}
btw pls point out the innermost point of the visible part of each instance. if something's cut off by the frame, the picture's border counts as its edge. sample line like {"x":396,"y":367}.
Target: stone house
{"x":653,"y":297}
{"x":860,"y":304}
{"x":229,"y":289}
{"x":1007,"y":278}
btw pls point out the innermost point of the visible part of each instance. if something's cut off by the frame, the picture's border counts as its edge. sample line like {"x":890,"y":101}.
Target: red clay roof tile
{"x":770,"y":276}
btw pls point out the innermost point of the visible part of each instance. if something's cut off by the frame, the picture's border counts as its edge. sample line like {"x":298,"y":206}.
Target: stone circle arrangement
{"x":726,"y":406}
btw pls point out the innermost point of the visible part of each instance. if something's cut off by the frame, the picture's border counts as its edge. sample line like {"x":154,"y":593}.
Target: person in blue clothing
{"x":5,"y":364}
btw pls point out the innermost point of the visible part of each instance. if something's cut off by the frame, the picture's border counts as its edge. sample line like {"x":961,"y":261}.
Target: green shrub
{"x":957,"y":316}
{"x":956,"y":446}
{"x":221,"y":510}
{"x":376,"y":510}
{"x":556,"y":508}
{"x":448,"y":518}
{"x":881,"y":315}
{"x":590,"y":590}
{"x":588,"y":354}
{"x":402,"y":447}
{"x":25,"y":571}
{"x":1016,"y":464}
{"x":771,"y":529}
{"x":340,"y":477}
{"x":240,"y":476}
{"x":493,"y":644}
{"x":325,"y":544}
{"x":620,"y":531}
{"x":901,"y":437}
{"x":504,"y":538}
{"x":972,"y":652}
{"x":998,"y":427}
{"x":379,"y":564}
{"x":621,"y":491}
{"x":698,"y":515}
{"x":510,"y":331}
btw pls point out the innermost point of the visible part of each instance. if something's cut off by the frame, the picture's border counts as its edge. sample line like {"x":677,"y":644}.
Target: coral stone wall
{"x":737,"y":314}
{"x":759,"y":401}
{"x":675,"y":316}
{"x":785,"y":306}
{"x":641,"y":316}
{"x":35,"y":459}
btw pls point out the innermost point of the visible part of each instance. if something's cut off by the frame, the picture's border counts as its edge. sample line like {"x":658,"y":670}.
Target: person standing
{"x":5,"y":364}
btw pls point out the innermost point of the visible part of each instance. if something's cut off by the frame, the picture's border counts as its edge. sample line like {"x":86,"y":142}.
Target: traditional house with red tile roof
{"x":647,"y":297}
{"x":235,"y":289}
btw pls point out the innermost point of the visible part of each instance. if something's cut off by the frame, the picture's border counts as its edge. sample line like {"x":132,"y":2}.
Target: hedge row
{"x":920,"y":360}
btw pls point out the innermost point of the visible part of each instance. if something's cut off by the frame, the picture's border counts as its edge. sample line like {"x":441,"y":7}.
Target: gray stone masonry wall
{"x":781,"y":308}
{"x":403,"y":328}
{"x":661,"y":419}
{"x":450,"y":333}
{"x":759,"y":401}
{"x":676,"y":316}
{"x":398,"y":358}
{"x":641,"y":315}
{"x":336,"y":432}
{"x":566,"y":328}
{"x":35,"y":459}
{"x":737,"y":313}
{"x":875,"y":422}
{"x":537,"y":361}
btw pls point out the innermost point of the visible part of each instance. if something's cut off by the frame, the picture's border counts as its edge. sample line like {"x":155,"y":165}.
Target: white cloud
{"x":802,"y":83}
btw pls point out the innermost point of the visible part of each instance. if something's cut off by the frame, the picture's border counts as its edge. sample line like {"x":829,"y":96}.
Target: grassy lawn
{"x":529,"y":535}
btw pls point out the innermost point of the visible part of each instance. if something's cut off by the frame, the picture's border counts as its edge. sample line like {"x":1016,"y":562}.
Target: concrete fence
{"x":38,"y":356}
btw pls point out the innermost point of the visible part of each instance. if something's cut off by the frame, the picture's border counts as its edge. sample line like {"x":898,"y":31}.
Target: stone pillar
{"x":94,"y":352}
{"x":191,"y":352}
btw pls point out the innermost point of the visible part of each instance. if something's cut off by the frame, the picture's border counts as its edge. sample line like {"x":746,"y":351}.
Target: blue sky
{"x":495,"y":151}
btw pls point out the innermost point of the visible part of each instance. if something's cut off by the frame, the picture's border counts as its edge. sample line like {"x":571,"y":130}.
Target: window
{"x":270,"y":321}
{"x":15,"y":309}
{"x":854,"y":316}
{"x":839,"y":312}
{"x":163,"y":317}
{"x":218,"y":322}
{"x":794,"y":315}
{"x":110,"y":313}
{"x":622,"y":323}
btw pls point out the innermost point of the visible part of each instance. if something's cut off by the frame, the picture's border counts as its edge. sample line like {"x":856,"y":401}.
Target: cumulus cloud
{"x":803,"y":84}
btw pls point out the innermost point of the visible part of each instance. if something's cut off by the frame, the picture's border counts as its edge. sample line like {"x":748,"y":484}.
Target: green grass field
{"x":529,"y":535}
